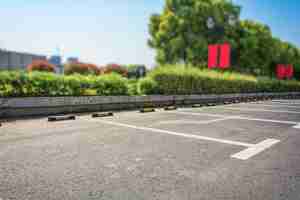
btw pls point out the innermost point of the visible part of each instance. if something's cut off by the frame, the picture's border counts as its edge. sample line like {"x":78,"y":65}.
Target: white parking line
{"x":258,"y":148}
{"x":297,"y":126}
{"x":239,"y":117}
{"x":287,"y":100}
{"x":285,"y":103}
{"x":277,"y":106}
{"x":252,"y":149}
{"x":267,"y":120}
{"x":260,"y":110}
{"x":177,"y":134}
{"x":201,"y":114}
{"x":195,"y":122}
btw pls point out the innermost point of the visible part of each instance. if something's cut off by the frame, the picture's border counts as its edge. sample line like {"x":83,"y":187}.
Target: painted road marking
{"x":286,"y":102}
{"x":258,"y":148}
{"x":240,"y":117}
{"x":278,"y":106}
{"x":297,"y":126}
{"x":195,"y":122}
{"x":267,"y":120}
{"x":252,"y":149}
{"x":177,"y":134}
{"x":282,"y":100}
{"x":202,"y":114}
{"x":260,"y":110}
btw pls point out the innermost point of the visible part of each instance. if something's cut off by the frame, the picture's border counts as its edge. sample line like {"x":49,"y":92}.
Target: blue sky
{"x":104,"y":31}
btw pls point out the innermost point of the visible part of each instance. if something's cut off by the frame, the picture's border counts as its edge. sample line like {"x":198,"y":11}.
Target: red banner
{"x":285,"y":71}
{"x":289,"y":71}
{"x":280,"y":71}
{"x":213,"y":56}
{"x":225,"y":56}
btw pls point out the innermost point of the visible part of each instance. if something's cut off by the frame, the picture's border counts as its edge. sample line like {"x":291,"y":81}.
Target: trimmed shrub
{"x":148,"y":86}
{"x":179,"y":80}
{"x":76,"y":85}
{"x":133,"y":87}
{"x":111,"y":84}
{"x":43,"y":84}
{"x":82,"y":68}
{"x":41,"y":65}
{"x":115,"y":68}
{"x":12,"y":83}
{"x":169,"y":80}
{"x":21,"y":84}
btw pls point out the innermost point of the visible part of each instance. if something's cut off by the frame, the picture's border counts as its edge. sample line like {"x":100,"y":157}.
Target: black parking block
{"x":147,"y":110}
{"x":61,"y":118}
{"x":237,"y":101}
{"x":170,"y":108}
{"x":107,"y":114}
{"x":211,"y":104}
{"x":249,"y":99}
{"x":197,"y":105}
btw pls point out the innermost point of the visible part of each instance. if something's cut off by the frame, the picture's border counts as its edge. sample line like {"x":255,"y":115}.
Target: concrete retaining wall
{"x":38,"y":106}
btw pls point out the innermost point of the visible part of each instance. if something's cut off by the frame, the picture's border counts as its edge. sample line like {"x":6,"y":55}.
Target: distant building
{"x":11,"y":60}
{"x":57,"y":62}
{"x":72,"y":60}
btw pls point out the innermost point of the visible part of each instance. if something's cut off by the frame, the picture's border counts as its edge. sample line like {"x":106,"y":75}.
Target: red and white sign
{"x":289,"y":71}
{"x":284,"y":71}
{"x":280,"y":71}
{"x":213,"y":56}
{"x":219,"y":56}
{"x":225,"y":56}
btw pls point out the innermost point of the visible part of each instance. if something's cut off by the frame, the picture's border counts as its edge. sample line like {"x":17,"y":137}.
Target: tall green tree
{"x":255,"y":48}
{"x":181,"y":35}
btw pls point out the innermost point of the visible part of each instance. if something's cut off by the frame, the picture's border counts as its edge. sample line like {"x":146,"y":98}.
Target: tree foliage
{"x":115,"y":68}
{"x":180,"y":35}
{"x":40,"y":65}
{"x":82,"y":68}
{"x":183,"y":80}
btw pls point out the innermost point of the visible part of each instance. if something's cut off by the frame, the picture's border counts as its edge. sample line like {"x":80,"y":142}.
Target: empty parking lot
{"x":238,"y":151}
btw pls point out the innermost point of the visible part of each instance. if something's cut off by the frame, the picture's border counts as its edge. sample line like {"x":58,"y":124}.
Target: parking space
{"x":245,"y":110}
{"x":270,"y":105}
{"x":225,"y":152}
{"x":281,"y":102}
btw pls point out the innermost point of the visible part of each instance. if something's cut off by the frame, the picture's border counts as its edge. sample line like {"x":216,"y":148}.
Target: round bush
{"x":148,"y":86}
{"x":115,"y":68}
{"x":111,"y":84}
{"x":82,"y":68}
{"x":41,"y":65}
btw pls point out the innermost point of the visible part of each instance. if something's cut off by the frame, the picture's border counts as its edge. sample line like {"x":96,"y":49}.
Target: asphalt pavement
{"x":247,"y":151}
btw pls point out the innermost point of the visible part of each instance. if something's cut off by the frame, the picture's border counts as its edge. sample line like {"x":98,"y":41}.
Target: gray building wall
{"x":14,"y":60}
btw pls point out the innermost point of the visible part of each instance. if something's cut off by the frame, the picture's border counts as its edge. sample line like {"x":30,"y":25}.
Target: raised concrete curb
{"x":43,"y":106}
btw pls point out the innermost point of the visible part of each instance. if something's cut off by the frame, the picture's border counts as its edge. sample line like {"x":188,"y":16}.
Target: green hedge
{"x":22,"y":84}
{"x":167,"y":80}
{"x":171,"y":80}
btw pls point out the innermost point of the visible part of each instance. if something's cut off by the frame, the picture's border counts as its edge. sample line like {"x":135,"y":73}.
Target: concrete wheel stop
{"x":61,"y":118}
{"x":147,"y":110}
{"x":169,"y":108}
{"x":106,"y":114}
